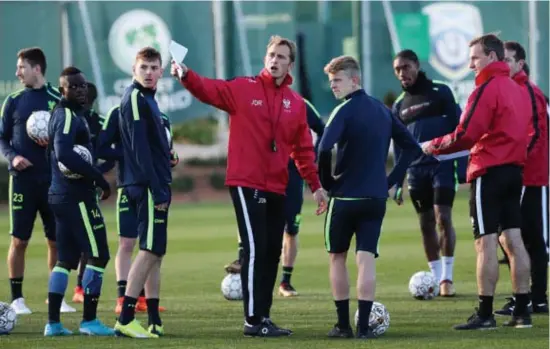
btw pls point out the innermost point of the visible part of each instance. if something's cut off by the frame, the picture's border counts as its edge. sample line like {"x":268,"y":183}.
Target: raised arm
{"x":215,"y":92}
{"x":474,"y":123}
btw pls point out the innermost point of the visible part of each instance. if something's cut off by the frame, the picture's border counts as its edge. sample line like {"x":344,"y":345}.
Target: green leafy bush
{"x":183,"y":184}
{"x":217,"y":180}
{"x":197,"y":131}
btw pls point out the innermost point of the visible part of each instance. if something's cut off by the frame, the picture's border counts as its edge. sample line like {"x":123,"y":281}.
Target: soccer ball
{"x":37,"y":125}
{"x":84,"y":153}
{"x":423,"y":285}
{"x":8,"y":318}
{"x":231,"y":287}
{"x":379,"y":319}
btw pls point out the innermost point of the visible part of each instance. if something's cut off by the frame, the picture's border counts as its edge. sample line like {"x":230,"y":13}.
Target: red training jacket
{"x":535,"y":172}
{"x":494,"y":124}
{"x":261,"y":113}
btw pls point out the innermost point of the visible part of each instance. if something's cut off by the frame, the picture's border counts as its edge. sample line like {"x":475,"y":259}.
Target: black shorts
{"x":26,"y":199}
{"x":362,"y":217}
{"x":293,"y":202}
{"x":80,"y":229}
{"x":495,"y":200}
{"x":432,"y":185}
{"x":152,"y":224}
{"x":126,"y":218}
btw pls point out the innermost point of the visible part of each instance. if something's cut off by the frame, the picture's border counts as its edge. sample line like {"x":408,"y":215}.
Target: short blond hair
{"x":347,"y":64}
{"x":279,"y":40}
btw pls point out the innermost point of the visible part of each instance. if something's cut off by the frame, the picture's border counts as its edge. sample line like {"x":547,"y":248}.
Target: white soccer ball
{"x":379,"y":319}
{"x":8,"y":318}
{"x":37,"y":125}
{"x":231,"y":287}
{"x":84,"y":153}
{"x":423,"y":285}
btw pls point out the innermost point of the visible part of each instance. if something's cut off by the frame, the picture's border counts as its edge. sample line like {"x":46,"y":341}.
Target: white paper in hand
{"x":178,"y":53}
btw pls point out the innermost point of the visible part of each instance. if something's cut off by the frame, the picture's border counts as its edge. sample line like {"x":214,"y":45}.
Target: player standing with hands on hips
{"x":268,"y":123}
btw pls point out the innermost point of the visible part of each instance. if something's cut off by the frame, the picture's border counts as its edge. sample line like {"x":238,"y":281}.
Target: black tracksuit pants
{"x":261,"y":221}
{"x":534,"y":230}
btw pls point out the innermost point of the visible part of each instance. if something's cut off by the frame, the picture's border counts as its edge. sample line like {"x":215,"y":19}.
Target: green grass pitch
{"x":202,"y":238}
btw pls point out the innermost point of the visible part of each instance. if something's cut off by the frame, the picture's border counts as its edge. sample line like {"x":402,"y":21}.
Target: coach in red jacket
{"x":534,"y":198}
{"x":268,"y":123}
{"x":494,"y":127}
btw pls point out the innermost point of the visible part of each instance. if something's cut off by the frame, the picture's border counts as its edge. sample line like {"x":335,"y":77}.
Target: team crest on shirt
{"x":452,"y":26}
{"x":286,"y":103}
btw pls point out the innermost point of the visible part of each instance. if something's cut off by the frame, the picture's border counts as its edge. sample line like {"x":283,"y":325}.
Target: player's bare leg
{"x":366,"y":287}
{"x":520,"y":273}
{"x":152,"y":290}
{"x":430,"y":240}
{"x":16,"y":270}
{"x":235,"y":266}
{"x":123,"y":262}
{"x":289,"y":253}
{"x":339,"y":283}
{"x":447,"y":241}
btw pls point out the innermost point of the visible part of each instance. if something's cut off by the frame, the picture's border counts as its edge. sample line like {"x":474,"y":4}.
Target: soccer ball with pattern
{"x":37,"y":125}
{"x":379,"y":319}
{"x":84,"y":153}
{"x":423,"y":285}
{"x":8,"y":318}
{"x":231,"y":287}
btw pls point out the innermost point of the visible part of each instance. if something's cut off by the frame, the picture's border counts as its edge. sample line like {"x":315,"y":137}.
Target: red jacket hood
{"x":492,"y":70}
{"x":520,"y":77}
{"x":266,"y":76}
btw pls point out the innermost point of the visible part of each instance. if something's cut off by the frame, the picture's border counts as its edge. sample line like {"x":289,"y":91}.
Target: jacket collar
{"x":144,"y":90}
{"x":421,"y":82}
{"x":71,"y":105}
{"x":491,"y":70}
{"x":520,"y":77}
{"x":266,"y":77}
{"x":359,"y":92}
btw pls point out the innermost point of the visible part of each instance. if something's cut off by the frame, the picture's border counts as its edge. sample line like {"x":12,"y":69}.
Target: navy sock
{"x":364,"y":312}
{"x":16,"y":285}
{"x":342,"y":309}
{"x":522,"y":301}
{"x":121,"y":287}
{"x":153,"y":311}
{"x":59,"y":279}
{"x":128,"y":310}
{"x":485,"y":306}
{"x":287,"y":274}
{"x":92,"y":282}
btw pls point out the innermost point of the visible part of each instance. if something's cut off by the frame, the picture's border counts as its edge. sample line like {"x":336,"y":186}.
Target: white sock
{"x":448,"y":263}
{"x":435,"y":268}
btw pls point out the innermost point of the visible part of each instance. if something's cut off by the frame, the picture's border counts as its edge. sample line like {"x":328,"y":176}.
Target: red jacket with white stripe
{"x":494,"y":124}
{"x":535,"y":172}
{"x":268,"y":123}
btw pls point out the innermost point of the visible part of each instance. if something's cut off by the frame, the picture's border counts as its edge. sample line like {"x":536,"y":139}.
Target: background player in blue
{"x":109,"y":149}
{"x":95,"y":122}
{"x":362,"y":127}
{"x":146,"y":177}
{"x":429,"y":110}
{"x":29,"y":172}
{"x":293,"y":208}
{"x":80,"y":227}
